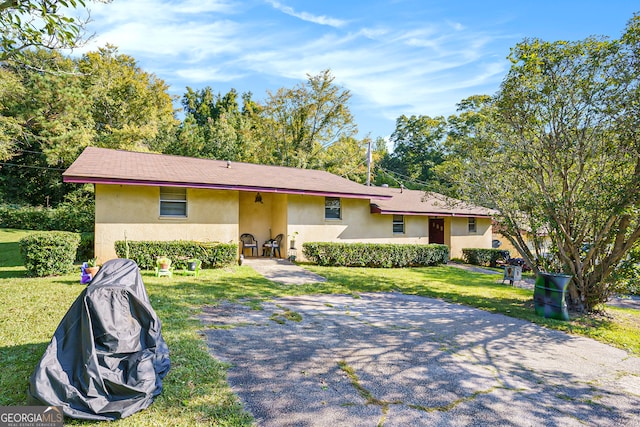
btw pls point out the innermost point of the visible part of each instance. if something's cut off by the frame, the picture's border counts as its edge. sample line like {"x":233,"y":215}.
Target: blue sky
{"x":395,"y":57}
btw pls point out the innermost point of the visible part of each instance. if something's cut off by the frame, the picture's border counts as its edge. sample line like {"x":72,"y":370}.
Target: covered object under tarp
{"x":107,"y":358}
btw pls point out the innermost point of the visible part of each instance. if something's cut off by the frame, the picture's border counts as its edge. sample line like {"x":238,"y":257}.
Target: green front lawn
{"x":196,"y":391}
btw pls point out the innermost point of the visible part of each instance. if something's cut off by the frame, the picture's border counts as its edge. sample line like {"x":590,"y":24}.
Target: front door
{"x":436,"y":231}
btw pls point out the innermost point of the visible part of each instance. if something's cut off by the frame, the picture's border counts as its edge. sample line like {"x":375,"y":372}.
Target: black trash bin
{"x":549,"y":295}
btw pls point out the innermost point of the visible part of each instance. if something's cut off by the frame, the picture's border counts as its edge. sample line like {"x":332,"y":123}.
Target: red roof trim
{"x":79,"y":180}
{"x":376,"y":209}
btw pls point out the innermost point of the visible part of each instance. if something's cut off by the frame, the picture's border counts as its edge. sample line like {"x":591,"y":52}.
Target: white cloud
{"x":391,"y":67}
{"x":305,"y":16}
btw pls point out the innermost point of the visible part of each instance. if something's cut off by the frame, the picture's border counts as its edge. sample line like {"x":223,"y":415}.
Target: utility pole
{"x":369,"y":162}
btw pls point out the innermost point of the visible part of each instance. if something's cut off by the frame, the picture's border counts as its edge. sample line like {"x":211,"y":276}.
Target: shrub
{"x":484,"y":257}
{"x":145,"y":253}
{"x":49,"y":253}
{"x":66,"y":217}
{"x":374,"y":254}
{"x":86,"y":247}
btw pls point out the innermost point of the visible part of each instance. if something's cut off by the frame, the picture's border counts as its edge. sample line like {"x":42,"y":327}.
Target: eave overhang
{"x":375,"y":209}
{"x":112,"y":181}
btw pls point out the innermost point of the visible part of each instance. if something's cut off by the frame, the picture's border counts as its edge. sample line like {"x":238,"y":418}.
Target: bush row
{"x":49,"y":253}
{"x":484,"y":257}
{"x":65,"y":217}
{"x":386,"y":255}
{"x":145,"y":253}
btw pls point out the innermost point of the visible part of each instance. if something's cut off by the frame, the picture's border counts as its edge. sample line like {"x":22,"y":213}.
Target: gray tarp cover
{"x":107,"y":357}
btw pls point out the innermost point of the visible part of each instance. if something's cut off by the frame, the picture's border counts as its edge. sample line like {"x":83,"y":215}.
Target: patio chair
{"x":249,"y":242}
{"x":273,"y":245}
{"x":193,"y":266}
{"x":164,"y":267}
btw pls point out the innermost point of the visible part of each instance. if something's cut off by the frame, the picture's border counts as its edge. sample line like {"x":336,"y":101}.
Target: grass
{"x":195,"y":390}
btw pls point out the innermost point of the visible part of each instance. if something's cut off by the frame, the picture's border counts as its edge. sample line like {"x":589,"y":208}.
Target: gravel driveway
{"x":399,"y":360}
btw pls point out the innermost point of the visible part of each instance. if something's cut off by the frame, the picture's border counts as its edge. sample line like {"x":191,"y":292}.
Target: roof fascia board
{"x":81,"y":180}
{"x":377,"y":210}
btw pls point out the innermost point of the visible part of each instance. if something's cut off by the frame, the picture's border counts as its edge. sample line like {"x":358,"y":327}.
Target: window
{"x":398,"y":224}
{"x":173,"y":201}
{"x":472,"y":225}
{"x":332,"y":208}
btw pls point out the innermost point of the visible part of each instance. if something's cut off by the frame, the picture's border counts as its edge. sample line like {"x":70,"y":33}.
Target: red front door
{"x":436,"y":231}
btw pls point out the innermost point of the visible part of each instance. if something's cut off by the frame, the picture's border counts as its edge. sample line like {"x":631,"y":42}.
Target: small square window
{"x":173,"y":201}
{"x":472,"y":225}
{"x":332,"y":208}
{"x":398,"y":224}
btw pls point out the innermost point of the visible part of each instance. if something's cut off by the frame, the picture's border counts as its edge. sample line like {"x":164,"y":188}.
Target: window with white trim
{"x":398,"y":224}
{"x":173,"y":202}
{"x":472,"y":225}
{"x":332,"y":208}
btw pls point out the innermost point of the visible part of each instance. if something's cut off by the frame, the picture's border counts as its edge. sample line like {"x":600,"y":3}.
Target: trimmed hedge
{"x":66,"y":217}
{"x":49,"y":253}
{"x":385,"y":255}
{"x":145,"y":253}
{"x":484,"y":257}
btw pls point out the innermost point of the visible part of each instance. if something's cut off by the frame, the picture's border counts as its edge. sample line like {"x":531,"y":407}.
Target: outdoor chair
{"x":193,"y":266}
{"x":163,"y":267}
{"x":249,"y":242}
{"x":273,"y":245}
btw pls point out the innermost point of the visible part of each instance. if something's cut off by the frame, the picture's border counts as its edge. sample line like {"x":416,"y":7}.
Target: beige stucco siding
{"x":134,"y":211}
{"x":220,"y":215}
{"x":264,"y":220}
{"x":460,"y":237}
{"x":357,"y":224}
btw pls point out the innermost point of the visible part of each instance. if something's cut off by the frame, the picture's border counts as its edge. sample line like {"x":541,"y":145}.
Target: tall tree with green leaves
{"x":50,"y":24}
{"x":559,"y":156}
{"x":214,"y":126}
{"x":418,"y":149}
{"x":47,"y":122}
{"x":300,"y":123}
{"x":131,"y":108}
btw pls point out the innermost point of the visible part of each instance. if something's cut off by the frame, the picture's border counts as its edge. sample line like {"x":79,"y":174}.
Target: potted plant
{"x":164,"y":263}
{"x":292,"y":242}
{"x":92,"y":268}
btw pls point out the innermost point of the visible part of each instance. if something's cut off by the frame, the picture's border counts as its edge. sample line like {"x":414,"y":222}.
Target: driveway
{"x":400,"y":360}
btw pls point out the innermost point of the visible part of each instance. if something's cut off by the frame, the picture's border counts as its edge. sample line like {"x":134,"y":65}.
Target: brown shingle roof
{"x":100,"y":165}
{"x":414,"y":202}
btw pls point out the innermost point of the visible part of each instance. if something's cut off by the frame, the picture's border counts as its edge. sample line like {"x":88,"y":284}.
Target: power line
{"x":31,"y":167}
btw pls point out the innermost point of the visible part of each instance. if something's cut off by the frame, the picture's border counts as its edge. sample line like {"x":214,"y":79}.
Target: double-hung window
{"x":472,"y":225}
{"x":173,"y":202}
{"x":398,"y":224}
{"x":332,"y":208}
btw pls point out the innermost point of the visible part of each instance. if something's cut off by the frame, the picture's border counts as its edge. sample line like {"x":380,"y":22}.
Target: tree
{"x":46,"y":129}
{"x":418,"y":149}
{"x":346,"y":158}
{"x":26,"y":24}
{"x":130,"y":108}
{"x":558,"y":155}
{"x":299,"y":123}
{"x":215,"y":127}
{"x":49,"y":118}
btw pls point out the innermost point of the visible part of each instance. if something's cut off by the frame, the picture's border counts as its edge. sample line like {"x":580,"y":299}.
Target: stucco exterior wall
{"x":264,"y":220}
{"x":358,"y":224}
{"x":216,"y":215}
{"x":134,"y":211}
{"x":460,"y":237}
